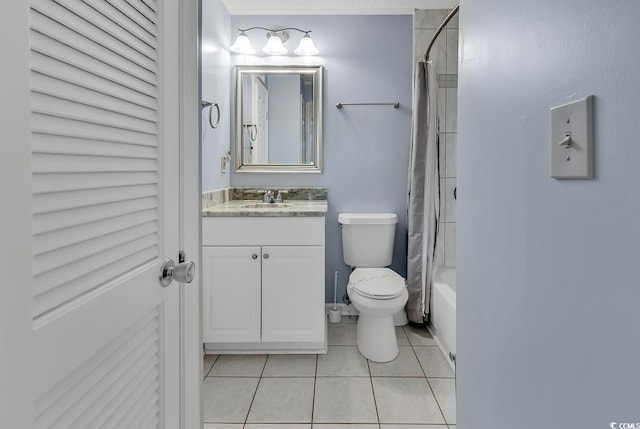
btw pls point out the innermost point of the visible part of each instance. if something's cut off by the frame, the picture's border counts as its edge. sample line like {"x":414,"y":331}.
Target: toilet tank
{"x":367,"y":238}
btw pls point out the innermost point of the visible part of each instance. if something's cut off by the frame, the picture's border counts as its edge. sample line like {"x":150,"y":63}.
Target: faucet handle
{"x":268,"y":195}
{"x":279,"y":197}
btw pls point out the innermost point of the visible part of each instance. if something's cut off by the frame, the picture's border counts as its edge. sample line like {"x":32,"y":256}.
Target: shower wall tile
{"x":429,"y":18}
{"x":450,"y":202}
{"x":454,"y":23}
{"x":442,"y":109}
{"x":421,"y":41}
{"x":452,"y":51}
{"x":451,"y":118}
{"x":445,"y":57}
{"x":451,"y":149}
{"x":450,"y":244}
{"x":442,"y":155}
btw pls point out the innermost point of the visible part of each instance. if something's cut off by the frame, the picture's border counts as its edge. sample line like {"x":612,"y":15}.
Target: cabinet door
{"x":293,"y":293}
{"x":231,"y":294}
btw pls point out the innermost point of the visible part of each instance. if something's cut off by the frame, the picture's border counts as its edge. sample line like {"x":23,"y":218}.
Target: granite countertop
{"x":241,"y":202}
{"x":258,"y":208}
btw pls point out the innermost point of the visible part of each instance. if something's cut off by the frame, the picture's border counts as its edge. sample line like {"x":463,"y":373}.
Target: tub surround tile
{"x":451,"y":148}
{"x":450,"y":244}
{"x":429,"y":18}
{"x":406,"y":400}
{"x":450,"y":202}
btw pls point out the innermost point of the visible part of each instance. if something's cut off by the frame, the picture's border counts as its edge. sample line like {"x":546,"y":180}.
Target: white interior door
{"x":104,"y":137}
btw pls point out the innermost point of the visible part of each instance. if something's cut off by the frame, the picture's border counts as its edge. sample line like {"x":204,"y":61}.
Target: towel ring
{"x":211,"y":105}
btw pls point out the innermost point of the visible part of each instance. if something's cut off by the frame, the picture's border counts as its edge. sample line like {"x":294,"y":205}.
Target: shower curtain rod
{"x":455,"y":10}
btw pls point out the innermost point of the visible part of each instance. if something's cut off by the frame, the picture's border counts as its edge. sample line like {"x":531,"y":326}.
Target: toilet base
{"x":376,"y":338}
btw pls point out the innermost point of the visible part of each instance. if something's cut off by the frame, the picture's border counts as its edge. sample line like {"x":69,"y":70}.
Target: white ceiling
{"x":333,"y":7}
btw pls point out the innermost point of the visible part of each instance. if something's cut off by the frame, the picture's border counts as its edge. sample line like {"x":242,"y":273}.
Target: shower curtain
{"x":423,"y":203}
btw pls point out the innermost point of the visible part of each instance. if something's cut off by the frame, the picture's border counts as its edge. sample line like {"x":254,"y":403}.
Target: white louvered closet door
{"x":104,"y":137}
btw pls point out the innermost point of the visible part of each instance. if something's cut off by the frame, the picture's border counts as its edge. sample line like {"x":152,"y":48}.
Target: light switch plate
{"x":572,"y":158}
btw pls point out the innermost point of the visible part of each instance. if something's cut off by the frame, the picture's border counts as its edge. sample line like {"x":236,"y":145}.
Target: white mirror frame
{"x":318,"y":106}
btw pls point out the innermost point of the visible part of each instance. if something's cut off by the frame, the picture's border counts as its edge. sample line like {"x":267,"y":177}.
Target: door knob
{"x":182,"y":273}
{"x":265,"y":256}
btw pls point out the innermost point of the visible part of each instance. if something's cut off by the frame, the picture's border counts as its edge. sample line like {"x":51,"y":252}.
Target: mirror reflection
{"x":278,"y":119}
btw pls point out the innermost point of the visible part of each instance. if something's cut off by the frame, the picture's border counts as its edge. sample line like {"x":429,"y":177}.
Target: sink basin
{"x":264,"y":205}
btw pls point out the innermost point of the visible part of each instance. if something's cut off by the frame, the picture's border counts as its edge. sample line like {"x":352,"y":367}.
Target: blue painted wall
{"x":366,"y":149}
{"x":548,"y":286}
{"x":216,"y":87}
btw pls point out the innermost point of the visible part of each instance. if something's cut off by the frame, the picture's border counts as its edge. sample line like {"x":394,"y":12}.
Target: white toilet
{"x":378,"y":293}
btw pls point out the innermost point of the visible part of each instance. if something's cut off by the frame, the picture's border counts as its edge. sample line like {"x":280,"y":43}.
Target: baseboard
{"x":345,"y":310}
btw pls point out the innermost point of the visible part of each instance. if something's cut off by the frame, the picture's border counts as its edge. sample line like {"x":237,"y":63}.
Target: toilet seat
{"x":376,"y":283}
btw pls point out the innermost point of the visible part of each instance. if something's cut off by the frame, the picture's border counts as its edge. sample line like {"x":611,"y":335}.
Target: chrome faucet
{"x":268,"y":196}
{"x":279,"y":198}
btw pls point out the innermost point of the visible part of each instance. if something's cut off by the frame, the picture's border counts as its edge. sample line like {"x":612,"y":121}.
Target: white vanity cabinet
{"x":263,"y":284}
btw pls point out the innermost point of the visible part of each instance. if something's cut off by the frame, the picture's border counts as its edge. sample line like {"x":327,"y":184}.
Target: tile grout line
{"x":428,"y":384}
{"x":373,"y":392}
{"x":313,"y":400}
{"x":255,"y":392}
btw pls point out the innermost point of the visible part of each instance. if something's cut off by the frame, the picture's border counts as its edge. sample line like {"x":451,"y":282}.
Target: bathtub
{"x":443,"y":309}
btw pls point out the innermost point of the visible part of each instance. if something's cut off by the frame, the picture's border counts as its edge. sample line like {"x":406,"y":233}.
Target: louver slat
{"x":95,"y":154}
{"x":124,"y":21}
{"x":95,"y":30}
{"x":65,"y":35}
{"x":60,"y":89}
{"x":123,"y":368}
{"x":44,"y":46}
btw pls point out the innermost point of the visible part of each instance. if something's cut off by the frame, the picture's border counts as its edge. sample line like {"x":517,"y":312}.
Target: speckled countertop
{"x":236,"y":202}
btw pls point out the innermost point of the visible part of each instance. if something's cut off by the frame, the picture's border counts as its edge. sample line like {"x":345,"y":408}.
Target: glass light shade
{"x":242,"y":45}
{"x":306,"y":47}
{"x":274,"y":46}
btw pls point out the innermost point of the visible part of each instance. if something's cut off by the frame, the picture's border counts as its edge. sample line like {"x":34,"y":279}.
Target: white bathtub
{"x":443,"y":309}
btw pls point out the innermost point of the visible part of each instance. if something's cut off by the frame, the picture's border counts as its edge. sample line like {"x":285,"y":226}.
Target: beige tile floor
{"x":339,"y":390}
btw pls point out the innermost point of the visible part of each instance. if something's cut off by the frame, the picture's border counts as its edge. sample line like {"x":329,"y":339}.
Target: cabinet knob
{"x":254,"y":256}
{"x":265,"y":256}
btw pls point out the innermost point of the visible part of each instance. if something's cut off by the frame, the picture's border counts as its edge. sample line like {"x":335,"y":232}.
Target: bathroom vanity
{"x":263,"y":275}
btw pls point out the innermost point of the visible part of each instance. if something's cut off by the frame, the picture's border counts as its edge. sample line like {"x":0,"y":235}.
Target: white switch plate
{"x":575,"y":120}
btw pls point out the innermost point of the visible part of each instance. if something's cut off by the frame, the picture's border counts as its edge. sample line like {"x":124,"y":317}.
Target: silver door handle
{"x":182,"y":273}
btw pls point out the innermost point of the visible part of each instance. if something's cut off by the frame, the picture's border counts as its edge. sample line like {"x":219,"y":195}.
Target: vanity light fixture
{"x":275,"y":42}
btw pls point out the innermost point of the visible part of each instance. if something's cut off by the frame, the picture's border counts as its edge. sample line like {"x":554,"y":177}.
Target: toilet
{"x":378,"y":293}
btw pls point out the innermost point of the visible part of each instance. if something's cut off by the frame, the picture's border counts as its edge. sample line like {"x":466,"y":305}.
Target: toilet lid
{"x":377,"y":282}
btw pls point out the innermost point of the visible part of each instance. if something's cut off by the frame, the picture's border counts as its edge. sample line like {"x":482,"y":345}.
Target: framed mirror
{"x":278,"y":120}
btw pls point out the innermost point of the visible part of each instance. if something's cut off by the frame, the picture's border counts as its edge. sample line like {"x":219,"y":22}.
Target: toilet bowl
{"x":378,"y":294}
